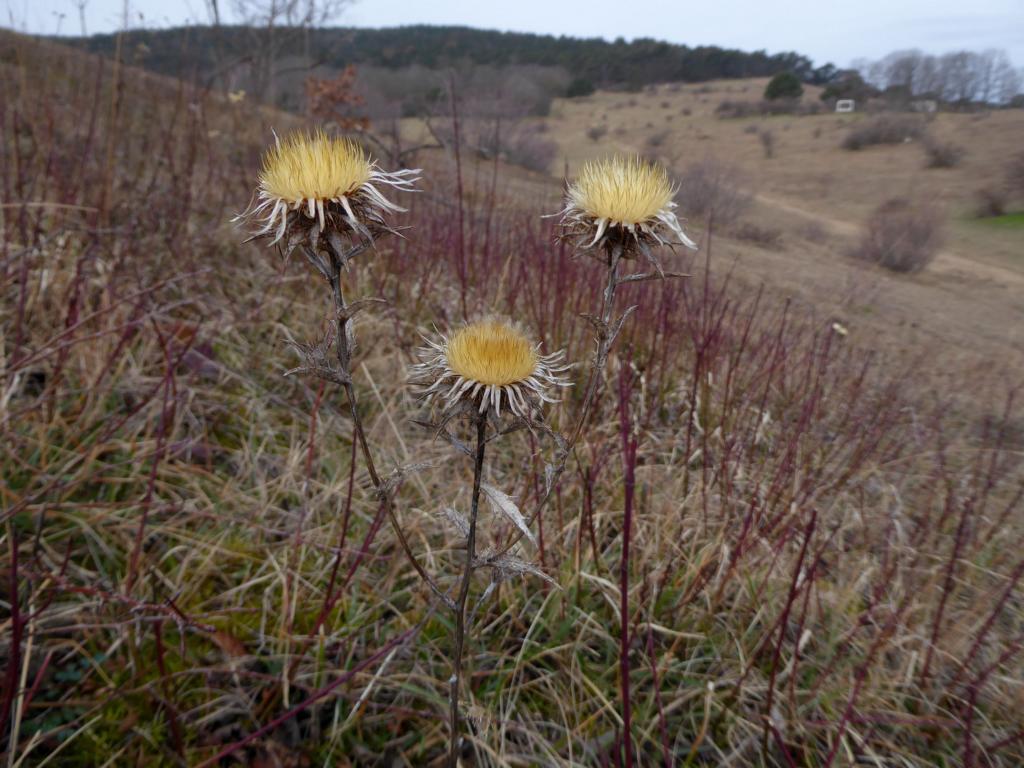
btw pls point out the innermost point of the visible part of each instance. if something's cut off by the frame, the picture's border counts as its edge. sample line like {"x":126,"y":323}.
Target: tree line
{"x":959,"y":77}
{"x":233,"y":56}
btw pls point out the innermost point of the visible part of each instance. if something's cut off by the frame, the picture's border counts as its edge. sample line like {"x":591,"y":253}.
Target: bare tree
{"x":964,"y":77}
{"x":275,"y":27}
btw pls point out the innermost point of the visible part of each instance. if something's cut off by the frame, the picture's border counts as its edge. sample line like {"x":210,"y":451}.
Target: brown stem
{"x":460,"y":608}
{"x":345,"y":344}
{"x":604,"y":342}
{"x":601,"y":355}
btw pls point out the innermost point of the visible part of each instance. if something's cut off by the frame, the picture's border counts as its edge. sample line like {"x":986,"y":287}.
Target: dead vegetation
{"x":884,"y":129}
{"x":825,"y":560}
{"x":902,"y":235}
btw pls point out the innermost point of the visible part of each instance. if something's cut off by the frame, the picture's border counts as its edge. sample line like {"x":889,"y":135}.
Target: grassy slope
{"x":818,"y":195}
{"x":196,"y":554}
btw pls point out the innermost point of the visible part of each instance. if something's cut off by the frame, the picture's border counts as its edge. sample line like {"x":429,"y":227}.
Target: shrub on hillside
{"x":580,"y":86}
{"x":1015,"y":175}
{"x":902,"y":235}
{"x":597,"y":132}
{"x":656,"y":139}
{"x":530,"y":150}
{"x":730,"y":108}
{"x":763,"y":236}
{"x":884,"y":129}
{"x":710,"y":188}
{"x":943,"y":154}
{"x":784,"y":85}
{"x":990,"y":201}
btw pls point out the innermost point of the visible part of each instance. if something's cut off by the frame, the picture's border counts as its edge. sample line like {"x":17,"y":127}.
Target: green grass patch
{"x":1006,"y":221}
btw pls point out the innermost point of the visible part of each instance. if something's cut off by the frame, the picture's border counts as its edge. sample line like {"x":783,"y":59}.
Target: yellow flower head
{"x":314,"y":167}
{"x":623,"y":200}
{"x":314,"y":178}
{"x":491,"y":364}
{"x":622,"y":190}
{"x":492,"y":353}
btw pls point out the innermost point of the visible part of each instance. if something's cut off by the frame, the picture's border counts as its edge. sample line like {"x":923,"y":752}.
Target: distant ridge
{"x":202,"y":51}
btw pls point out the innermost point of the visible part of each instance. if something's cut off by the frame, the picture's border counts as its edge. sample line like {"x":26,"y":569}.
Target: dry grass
{"x":825,"y":559}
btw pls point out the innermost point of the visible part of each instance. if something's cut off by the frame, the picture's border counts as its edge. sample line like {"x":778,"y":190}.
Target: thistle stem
{"x":345,"y":344}
{"x":604,"y":343}
{"x":467,"y":574}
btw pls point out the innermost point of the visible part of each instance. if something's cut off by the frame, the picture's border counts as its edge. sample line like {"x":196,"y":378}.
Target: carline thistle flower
{"x":625,"y":201}
{"x":487,"y":365}
{"x":312,"y":178}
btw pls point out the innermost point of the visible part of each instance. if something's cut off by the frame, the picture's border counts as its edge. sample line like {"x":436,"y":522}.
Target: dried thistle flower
{"x":488,"y":364}
{"x":623,"y":200}
{"x":311,"y":179}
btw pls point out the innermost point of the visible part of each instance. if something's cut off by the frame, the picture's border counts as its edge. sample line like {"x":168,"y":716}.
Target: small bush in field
{"x":532,"y":151}
{"x":655,"y":140}
{"x":990,"y":201}
{"x":814,"y":232}
{"x":784,"y":85}
{"x":765,"y":237}
{"x":884,"y":129}
{"x":581,"y":86}
{"x":902,"y":236}
{"x":597,"y":132}
{"x":712,"y":188}
{"x":1015,"y":175}
{"x":730,"y":108}
{"x":943,"y":154}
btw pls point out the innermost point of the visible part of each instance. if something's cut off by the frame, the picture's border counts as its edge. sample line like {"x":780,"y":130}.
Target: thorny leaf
{"x":316,"y":359}
{"x":341,"y":251}
{"x":549,"y":476}
{"x":457,"y":520}
{"x":354,"y":308}
{"x":441,"y":430}
{"x":328,"y":374}
{"x":599,"y":325}
{"x":649,"y":255}
{"x":619,"y":322}
{"x":501,"y":503}
{"x":506,"y":566}
{"x":640,"y":277}
{"x":393,"y":481}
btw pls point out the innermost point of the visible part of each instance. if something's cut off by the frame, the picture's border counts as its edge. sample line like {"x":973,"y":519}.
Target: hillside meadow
{"x":790,"y":534}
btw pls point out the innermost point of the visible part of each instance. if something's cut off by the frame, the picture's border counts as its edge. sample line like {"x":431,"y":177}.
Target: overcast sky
{"x":825,"y":30}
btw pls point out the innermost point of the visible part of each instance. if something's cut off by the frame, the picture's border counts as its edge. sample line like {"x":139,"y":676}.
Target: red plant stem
{"x":947,"y":586}
{"x":783,"y":622}
{"x":17,"y":623}
{"x":164,"y":426}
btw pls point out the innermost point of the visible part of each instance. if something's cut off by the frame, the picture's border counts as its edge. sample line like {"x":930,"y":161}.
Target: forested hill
{"x":204,"y":50}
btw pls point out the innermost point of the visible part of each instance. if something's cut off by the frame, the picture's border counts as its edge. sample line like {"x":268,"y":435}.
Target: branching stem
{"x":604,"y":343}
{"x":345,"y":347}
